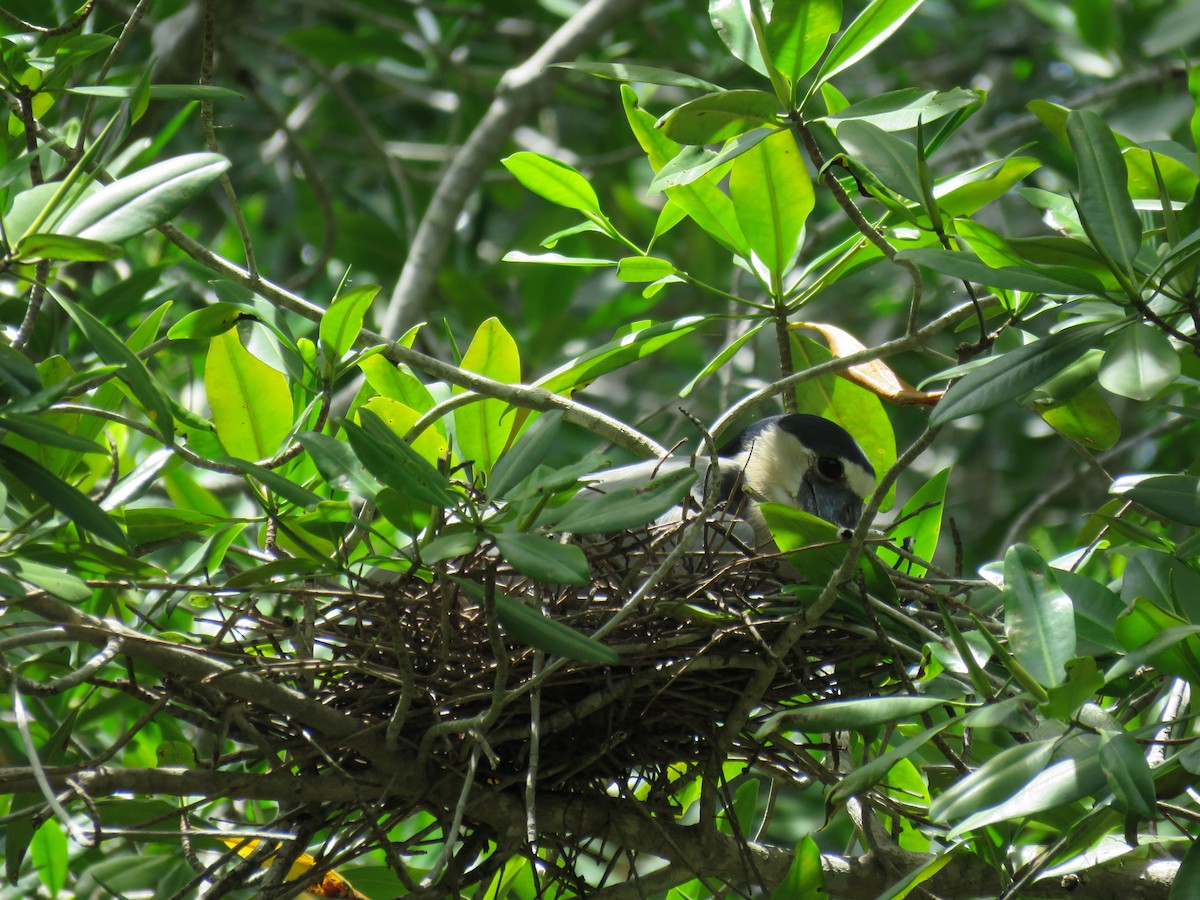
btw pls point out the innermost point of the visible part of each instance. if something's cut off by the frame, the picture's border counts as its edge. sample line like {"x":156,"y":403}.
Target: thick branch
{"x":691,"y":850}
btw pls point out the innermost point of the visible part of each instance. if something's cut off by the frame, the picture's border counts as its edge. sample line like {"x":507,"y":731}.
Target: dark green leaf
{"x":593,"y":512}
{"x":1175,"y":497}
{"x":1015,"y":373}
{"x":643,"y":74}
{"x":1140,"y":364}
{"x":62,"y":497}
{"x":285,"y":488}
{"x":64,"y":247}
{"x":1104,"y":200}
{"x":1128,"y":773}
{"x":530,"y":450}
{"x":718,"y":117}
{"x":111,"y":349}
{"x":395,"y":463}
{"x":159,"y":91}
{"x":42,"y":431}
{"x":541,"y":632}
{"x":890,"y":159}
{"x":543,"y":558}
{"x":1039,"y":619}
{"x":900,"y":110}
{"x":1012,"y":278}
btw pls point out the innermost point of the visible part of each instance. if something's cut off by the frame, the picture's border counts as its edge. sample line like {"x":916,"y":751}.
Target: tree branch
{"x":521,"y":90}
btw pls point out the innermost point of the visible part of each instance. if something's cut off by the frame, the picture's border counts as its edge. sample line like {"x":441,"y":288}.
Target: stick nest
{"x":417,"y":660}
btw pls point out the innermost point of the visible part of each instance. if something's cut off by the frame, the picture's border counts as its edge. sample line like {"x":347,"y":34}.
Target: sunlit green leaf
{"x":872,"y":27}
{"x":554,"y":181}
{"x":772,"y":197}
{"x":485,"y":428}
{"x":343,"y":320}
{"x":251,"y":402}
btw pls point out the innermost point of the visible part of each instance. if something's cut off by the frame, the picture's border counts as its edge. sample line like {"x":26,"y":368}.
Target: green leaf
{"x":338,"y":465}
{"x":144,"y":200}
{"x":872,"y":27}
{"x":705,"y":203}
{"x":1085,"y":417}
{"x":484,"y":429}
{"x":718,"y":117}
{"x":969,"y":193}
{"x":395,"y":463}
{"x":1175,"y":497}
{"x":799,"y":32}
{"x":530,"y":451}
{"x":541,"y":632}
{"x":1187,"y":876}
{"x":112,"y":350}
{"x":1140,"y":364}
{"x":1128,"y":773}
{"x":805,"y":877}
{"x":1014,"y":373}
{"x":42,"y":431}
{"x":1104,"y":201}
{"x":640,"y":269}
{"x":693,"y":162}
{"x":250,"y":401}
{"x":772,"y":197}
{"x":1000,"y":776}
{"x":343,"y":320}
{"x":1063,"y":782}
{"x":1039,"y":618}
{"x":731,"y":20}
{"x":396,"y":382}
{"x":921,"y":520}
{"x":62,"y":497}
{"x":554,"y":181}
{"x":159,"y":91}
{"x":643,"y":74}
{"x":622,"y":508}
{"x":578,"y":373}
{"x":48,"y":850}
{"x":1163,"y":637}
{"x":64,"y":247}
{"x":287,"y":489}
{"x":841,"y":715}
{"x":63,"y":585}
{"x":207,"y":322}
{"x":902,"y":109}
{"x":1012,"y":278}
{"x":543,"y":558}
{"x":890,"y":159}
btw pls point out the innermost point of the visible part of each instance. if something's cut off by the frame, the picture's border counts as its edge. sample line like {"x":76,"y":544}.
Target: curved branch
{"x":521,"y":90}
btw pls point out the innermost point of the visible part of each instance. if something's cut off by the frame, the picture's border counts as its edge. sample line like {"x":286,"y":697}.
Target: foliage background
{"x":364,"y":142}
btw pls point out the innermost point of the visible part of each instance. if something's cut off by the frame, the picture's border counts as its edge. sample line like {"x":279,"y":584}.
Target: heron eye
{"x":830,"y":468}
